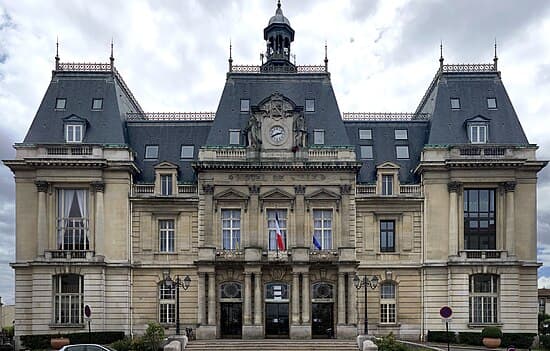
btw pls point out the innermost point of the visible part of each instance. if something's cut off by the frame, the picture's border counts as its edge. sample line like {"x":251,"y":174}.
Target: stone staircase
{"x":273,"y":345}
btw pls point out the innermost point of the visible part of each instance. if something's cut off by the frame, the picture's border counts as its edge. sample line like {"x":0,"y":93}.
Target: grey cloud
{"x":543,"y":74}
{"x":426,"y":23}
{"x":361,"y":10}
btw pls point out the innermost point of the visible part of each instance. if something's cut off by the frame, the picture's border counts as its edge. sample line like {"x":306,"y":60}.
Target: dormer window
{"x":234,"y":137}
{"x":365,"y":134}
{"x":400,"y":134}
{"x":73,"y":133}
{"x":245,"y":105}
{"x":310,"y":105}
{"x":478,"y":133}
{"x":492,"y":103}
{"x":402,"y":152}
{"x":319,"y":136}
{"x":366,"y":152}
{"x":60,"y":103}
{"x":455,"y":104}
{"x":151,"y":152}
{"x":97,"y":104}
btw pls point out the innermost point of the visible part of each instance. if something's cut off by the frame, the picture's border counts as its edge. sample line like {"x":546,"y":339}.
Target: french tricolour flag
{"x":279,"y":234}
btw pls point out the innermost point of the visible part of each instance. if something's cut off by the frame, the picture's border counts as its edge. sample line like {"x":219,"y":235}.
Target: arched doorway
{"x":276,"y":310}
{"x":322,"y":310}
{"x":231,"y":316}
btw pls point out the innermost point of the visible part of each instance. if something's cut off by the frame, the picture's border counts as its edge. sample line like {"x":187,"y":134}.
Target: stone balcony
{"x":74,"y":256}
{"x":407,"y":190}
{"x":148,"y":190}
{"x":480,"y":256}
{"x":243,"y":154}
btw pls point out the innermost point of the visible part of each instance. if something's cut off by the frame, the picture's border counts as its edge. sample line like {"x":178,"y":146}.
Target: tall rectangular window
{"x":319,"y":136}
{"x":245,"y":105}
{"x":366,"y":152}
{"x":478,"y":133}
{"x":401,"y":134}
{"x":479,"y":219}
{"x":387,"y":184}
{"x":166,"y":235}
{"x":166,"y":184}
{"x":73,"y":133}
{"x":387,"y":303}
{"x":235,"y":137}
{"x":322,"y":228}
{"x":151,"y":152}
{"x":167,"y":303}
{"x":72,"y":219}
{"x":68,"y":291}
{"x":272,"y":227}
{"x":387,"y":236}
{"x":365,"y":134}
{"x":484,"y":298}
{"x":231,"y":229}
{"x":310,"y":105}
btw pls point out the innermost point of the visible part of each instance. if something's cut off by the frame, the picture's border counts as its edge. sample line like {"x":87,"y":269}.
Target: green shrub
{"x":388,"y":343}
{"x":519,"y":340}
{"x":153,"y":336}
{"x":545,"y":341}
{"x":470,"y":338}
{"x":8,"y":331}
{"x":122,"y":345}
{"x":441,"y":336}
{"x":491,"y":332}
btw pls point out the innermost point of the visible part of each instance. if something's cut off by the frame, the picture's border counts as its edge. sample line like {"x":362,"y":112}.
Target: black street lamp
{"x":178,"y":283}
{"x":365,"y":282}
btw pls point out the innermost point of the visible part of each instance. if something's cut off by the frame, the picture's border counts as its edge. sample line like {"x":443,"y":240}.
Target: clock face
{"x":277,"y":134}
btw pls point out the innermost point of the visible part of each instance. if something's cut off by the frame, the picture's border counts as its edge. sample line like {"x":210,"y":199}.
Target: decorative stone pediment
{"x":323,"y":195}
{"x":388,"y":165}
{"x":478,"y":118}
{"x":231,"y":195}
{"x":75,"y":119}
{"x":166,"y":165}
{"x":277,"y":195}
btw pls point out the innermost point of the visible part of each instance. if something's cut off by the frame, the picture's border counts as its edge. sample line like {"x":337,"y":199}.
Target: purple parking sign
{"x":445,"y":312}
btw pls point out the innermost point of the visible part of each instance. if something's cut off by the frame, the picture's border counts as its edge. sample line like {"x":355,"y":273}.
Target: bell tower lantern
{"x":278,"y":35}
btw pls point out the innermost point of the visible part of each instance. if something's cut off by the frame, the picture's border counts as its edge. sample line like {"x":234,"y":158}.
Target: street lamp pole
{"x":178,"y":282}
{"x":365,"y":282}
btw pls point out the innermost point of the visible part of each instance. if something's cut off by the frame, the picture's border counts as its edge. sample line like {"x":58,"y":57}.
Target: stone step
{"x":273,"y":345}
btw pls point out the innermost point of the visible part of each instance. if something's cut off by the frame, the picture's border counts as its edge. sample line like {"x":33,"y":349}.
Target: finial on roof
{"x":441,"y":55}
{"x":495,"y":58}
{"x":112,"y":58}
{"x":230,"y":56}
{"x":278,"y":4}
{"x":326,"y":57}
{"x":57,"y":54}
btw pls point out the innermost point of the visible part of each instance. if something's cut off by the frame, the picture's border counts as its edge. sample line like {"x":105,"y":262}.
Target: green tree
{"x":153,"y":336}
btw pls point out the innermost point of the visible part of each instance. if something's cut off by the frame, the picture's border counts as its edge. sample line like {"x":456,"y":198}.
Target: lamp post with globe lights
{"x":366,"y":283}
{"x":178,"y":282}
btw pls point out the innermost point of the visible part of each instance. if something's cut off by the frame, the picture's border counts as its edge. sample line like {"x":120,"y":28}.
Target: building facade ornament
{"x":41,"y":186}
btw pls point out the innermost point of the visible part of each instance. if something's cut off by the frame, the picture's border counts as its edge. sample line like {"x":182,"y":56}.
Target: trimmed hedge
{"x":519,"y":340}
{"x":42,"y":341}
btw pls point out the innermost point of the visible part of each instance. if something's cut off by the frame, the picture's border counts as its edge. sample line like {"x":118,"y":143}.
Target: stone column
{"x":208,"y":191}
{"x":99,"y":238}
{"x":306,"y":301}
{"x":258,"y":298}
{"x":352,"y":304}
{"x":453,"y":188}
{"x":251,"y":236}
{"x":295,"y":298}
{"x":510,"y":187}
{"x":212,"y":298}
{"x":42,"y":220}
{"x":300,"y":215}
{"x":201,"y":315}
{"x":247,"y":298}
{"x":345,"y":191}
{"x":341,"y":298}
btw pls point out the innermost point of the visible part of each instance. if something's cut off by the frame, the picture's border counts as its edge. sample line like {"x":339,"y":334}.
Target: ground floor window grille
{"x":167,"y":303}
{"x":387,"y":303}
{"x":68,"y":298}
{"x":484,"y":298}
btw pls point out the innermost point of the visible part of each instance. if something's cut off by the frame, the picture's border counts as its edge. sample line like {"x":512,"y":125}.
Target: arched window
{"x":167,"y":303}
{"x":484,"y":298}
{"x":68,"y":298}
{"x":231,"y":290}
{"x":387,"y":303}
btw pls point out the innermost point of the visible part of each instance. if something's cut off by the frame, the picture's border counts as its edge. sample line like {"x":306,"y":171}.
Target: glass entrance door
{"x":322,"y":325}
{"x":231,"y":320}
{"x":276,"y":320}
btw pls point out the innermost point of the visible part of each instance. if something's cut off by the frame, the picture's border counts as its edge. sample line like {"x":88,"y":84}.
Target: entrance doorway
{"x":276,"y":320}
{"x":322,"y":325}
{"x":231,"y":320}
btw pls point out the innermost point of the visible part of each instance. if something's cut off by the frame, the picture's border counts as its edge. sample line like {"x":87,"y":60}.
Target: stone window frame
{"x":284,"y":229}
{"x":88,"y":220}
{"x":166,"y":298}
{"x":387,"y":169}
{"x":390,"y":302}
{"x":58,"y":295}
{"x":174,"y":231}
{"x":166,"y":169}
{"x":333,"y":226}
{"x":493,"y":295}
{"x":238,"y":245}
{"x":394,"y":232}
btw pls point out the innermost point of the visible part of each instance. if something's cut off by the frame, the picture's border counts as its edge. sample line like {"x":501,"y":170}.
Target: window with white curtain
{"x":231,"y":229}
{"x":72,"y":219}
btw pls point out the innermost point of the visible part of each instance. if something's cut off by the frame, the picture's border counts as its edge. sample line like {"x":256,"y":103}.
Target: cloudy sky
{"x":173,"y":55}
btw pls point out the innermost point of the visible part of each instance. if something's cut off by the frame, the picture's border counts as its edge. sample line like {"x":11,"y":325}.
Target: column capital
{"x":300,"y":189}
{"x":41,"y":186}
{"x":454,"y":187}
{"x":254,"y":189}
{"x":98,"y":187}
{"x":208,"y":189}
{"x":345,"y":189}
{"x":509,"y":186}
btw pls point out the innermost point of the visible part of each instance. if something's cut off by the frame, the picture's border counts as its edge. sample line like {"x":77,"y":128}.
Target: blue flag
{"x":317,"y":243}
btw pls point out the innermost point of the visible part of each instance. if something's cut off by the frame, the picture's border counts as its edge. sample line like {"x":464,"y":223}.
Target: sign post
{"x":446,"y":313}
{"x":88,"y":315}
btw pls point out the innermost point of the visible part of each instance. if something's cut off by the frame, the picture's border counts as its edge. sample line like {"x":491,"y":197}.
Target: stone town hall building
{"x":439,"y":205}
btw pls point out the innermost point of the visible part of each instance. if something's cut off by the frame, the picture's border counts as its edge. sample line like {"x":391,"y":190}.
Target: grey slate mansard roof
{"x":443,"y":126}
